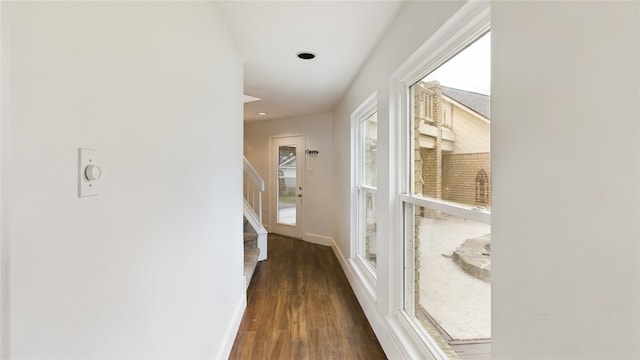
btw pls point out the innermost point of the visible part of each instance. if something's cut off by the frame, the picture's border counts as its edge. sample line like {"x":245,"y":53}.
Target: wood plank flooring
{"x":301,"y":306}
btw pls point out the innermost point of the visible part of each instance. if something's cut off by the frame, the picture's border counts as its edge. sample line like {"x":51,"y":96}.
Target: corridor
{"x":300,"y":306}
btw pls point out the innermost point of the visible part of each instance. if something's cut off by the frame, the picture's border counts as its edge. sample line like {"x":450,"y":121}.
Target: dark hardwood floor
{"x":300,"y":306}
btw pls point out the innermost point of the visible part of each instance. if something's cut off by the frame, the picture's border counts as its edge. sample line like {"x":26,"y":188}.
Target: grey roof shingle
{"x":479,"y":103}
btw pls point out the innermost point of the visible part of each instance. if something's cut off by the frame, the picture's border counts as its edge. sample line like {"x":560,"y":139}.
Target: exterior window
{"x":364,"y":224}
{"x":447,"y":203}
{"x":367,"y":189}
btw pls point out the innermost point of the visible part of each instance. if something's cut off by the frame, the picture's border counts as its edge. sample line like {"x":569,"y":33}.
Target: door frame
{"x":296,"y":231}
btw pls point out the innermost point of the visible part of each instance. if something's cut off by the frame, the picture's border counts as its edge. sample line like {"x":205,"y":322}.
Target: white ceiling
{"x":269,"y":34}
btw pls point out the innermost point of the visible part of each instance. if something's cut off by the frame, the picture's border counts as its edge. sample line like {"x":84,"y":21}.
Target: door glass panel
{"x":287,"y":184}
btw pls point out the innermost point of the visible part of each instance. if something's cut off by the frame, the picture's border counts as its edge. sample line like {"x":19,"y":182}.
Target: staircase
{"x":255,"y":235}
{"x":251,"y":251}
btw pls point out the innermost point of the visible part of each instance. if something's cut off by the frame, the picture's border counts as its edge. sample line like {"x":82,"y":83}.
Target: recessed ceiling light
{"x":306,"y":55}
{"x":262,"y":114}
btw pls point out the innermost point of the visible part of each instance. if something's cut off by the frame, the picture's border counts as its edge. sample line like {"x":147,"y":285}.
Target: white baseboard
{"x":367,"y":303}
{"x":230,"y":336}
{"x":318,"y":239}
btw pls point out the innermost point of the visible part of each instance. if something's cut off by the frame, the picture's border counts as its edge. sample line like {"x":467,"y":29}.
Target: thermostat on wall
{"x":312,"y":152}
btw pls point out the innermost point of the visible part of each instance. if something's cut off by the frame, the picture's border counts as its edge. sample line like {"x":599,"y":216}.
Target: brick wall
{"x":459,"y":175}
{"x":429,"y":172}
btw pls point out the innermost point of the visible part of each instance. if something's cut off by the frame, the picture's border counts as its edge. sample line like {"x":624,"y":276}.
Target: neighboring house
{"x":287,"y":172}
{"x":453,"y":127}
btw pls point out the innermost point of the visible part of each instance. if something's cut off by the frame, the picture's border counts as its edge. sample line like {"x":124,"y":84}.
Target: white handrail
{"x":253,"y":174}
{"x":250,"y":191}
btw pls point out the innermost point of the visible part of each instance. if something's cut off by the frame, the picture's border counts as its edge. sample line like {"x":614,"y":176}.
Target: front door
{"x":287,"y":185}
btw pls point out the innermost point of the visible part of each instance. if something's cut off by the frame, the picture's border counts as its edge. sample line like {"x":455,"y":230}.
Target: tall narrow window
{"x":447,"y":203}
{"x":365,"y":121}
{"x":367,"y":189}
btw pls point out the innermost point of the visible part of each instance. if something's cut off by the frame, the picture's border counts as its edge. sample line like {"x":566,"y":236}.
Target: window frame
{"x":468,"y":24}
{"x":364,"y":270}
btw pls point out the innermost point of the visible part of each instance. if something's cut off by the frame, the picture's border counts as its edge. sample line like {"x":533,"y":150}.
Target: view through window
{"x":447,"y":212}
{"x":366,"y":188}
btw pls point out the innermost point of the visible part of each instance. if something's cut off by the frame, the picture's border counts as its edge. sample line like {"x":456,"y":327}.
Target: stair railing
{"x":253,"y":189}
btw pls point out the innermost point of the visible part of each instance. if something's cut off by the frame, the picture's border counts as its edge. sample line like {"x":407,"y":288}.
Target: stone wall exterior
{"x":430,"y":172}
{"x":460,"y":175}
{"x":461,"y":178}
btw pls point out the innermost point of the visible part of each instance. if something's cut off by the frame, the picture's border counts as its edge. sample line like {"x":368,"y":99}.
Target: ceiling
{"x":269,"y":34}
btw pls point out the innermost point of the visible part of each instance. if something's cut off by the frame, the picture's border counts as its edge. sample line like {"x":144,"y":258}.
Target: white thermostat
{"x":89,"y":173}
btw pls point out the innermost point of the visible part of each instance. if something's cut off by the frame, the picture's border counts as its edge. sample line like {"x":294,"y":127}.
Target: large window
{"x":446,"y":201}
{"x":365,"y":128}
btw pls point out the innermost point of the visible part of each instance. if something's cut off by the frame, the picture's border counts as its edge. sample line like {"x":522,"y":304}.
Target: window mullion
{"x":472,"y":213}
{"x":368,"y":188}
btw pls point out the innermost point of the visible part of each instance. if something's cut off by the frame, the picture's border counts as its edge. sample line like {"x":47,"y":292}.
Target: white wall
{"x":565,"y":209}
{"x":317,"y":129}
{"x":151,"y":267}
{"x":566,"y":159}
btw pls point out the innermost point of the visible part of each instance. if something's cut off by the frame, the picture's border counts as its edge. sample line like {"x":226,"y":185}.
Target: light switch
{"x":89,"y":173}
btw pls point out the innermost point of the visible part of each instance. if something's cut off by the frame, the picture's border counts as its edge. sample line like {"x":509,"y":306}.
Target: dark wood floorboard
{"x":301,"y":306}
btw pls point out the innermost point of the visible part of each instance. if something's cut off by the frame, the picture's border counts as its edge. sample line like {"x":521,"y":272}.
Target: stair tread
{"x":250,"y":262}
{"x":251,"y":254}
{"x":250,"y":236}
